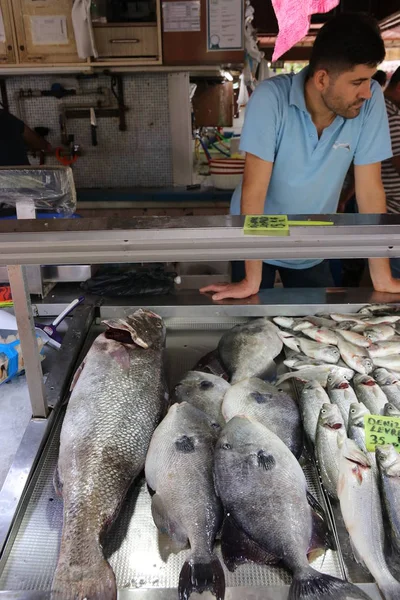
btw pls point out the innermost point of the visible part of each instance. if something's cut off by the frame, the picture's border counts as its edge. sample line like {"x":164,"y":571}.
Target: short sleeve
{"x":259,"y":134}
{"x":374,"y":143}
{"x":394,"y":126}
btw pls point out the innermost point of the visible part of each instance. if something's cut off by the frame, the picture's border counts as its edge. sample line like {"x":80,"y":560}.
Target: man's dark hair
{"x":395,"y":79}
{"x":346,"y":41}
{"x":380,"y":77}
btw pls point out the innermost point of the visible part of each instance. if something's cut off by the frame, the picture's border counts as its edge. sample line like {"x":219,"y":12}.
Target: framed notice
{"x":181,"y":15}
{"x":225,"y":25}
{"x":49,"y":30}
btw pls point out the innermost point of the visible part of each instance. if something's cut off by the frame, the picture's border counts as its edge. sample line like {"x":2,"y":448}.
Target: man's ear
{"x":321,"y":79}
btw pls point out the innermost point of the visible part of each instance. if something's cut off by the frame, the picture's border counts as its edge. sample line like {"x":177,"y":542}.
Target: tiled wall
{"x":140,"y":156}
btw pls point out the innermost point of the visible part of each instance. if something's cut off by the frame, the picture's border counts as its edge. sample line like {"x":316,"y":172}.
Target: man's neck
{"x":388,"y":94}
{"x":321,"y":116}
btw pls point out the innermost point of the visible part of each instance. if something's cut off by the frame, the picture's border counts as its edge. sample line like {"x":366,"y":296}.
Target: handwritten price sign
{"x":266,"y":225}
{"x":381,"y":430}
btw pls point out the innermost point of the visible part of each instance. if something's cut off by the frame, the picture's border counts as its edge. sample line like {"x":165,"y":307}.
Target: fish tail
{"x":309,"y":584}
{"x":95,"y":581}
{"x":201,"y":573}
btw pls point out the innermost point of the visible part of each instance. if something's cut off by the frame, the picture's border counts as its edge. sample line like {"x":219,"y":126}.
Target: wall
{"x":140,"y":156}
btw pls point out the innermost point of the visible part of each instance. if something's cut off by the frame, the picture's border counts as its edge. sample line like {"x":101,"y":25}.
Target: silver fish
{"x":311,"y":321}
{"x":385,"y":377}
{"x":382,"y":349}
{"x":388,"y":461}
{"x":331,"y":434}
{"x":329,"y":354}
{"x":379,"y":333}
{"x":390,"y":410}
{"x":289,"y":322}
{"x":369,"y":393}
{"x":361,"y":507}
{"x":318,"y":372}
{"x":322,"y":335}
{"x":204,"y":391}
{"x":179,"y":469}
{"x":117,"y":401}
{"x":353,"y":337}
{"x":354,"y":318}
{"x":312,"y":398}
{"x":373,"y":309}
{"x":383,"y":320}
{"x":249,"y":349}
{"x":390,"y":385}
{"x":341,"y":393}
{"x":269,"y":509}
{"x":388,"y":362}
{"x":356,"y":426}
{"x":356,"y":357}
{"x":269,"y":406}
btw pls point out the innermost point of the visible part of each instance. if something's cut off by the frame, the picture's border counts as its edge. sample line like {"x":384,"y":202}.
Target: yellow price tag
{"x":266,"y":225}
{"x":381,"y":430}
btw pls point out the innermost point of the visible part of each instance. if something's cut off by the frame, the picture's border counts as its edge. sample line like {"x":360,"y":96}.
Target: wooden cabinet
{"x":7,"y":46}
{"x":44,"y":31}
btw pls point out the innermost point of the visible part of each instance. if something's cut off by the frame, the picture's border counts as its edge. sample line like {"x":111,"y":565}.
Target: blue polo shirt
{"x":308,"y":172}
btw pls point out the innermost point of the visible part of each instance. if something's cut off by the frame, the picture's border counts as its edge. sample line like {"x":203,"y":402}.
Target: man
{"x":15,"y":136}
{"x":301,"y":134}
{"x":391,"y":167}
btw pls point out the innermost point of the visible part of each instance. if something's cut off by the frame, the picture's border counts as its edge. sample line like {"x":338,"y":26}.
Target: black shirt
{"x":12,"y":147}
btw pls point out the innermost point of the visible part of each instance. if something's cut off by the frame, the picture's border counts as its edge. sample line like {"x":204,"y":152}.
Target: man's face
{"x":344,"y":94}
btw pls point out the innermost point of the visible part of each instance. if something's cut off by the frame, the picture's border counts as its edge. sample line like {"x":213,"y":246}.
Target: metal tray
{"x":144,"y":561}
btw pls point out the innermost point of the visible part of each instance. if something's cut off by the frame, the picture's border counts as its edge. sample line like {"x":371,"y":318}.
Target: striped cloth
{"x":390,"y":176}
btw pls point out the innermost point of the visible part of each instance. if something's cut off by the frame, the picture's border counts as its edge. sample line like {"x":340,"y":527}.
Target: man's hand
{"x":240,"y":290}
{"x":392,"y":286}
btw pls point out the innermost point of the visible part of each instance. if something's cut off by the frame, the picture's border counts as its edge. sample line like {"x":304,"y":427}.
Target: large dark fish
{"x":115,"y":406}
{"x":270,"y":516}
{"x":179,"y":468}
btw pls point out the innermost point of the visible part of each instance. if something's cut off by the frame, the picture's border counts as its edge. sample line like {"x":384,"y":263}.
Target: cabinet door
{"x":44,"y":31}
{"x":7,"y":49}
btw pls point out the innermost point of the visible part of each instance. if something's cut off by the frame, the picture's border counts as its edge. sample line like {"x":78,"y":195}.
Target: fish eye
{"x":323,"y":411}
{"x":216,"y":425}
{"x":226,"y":446}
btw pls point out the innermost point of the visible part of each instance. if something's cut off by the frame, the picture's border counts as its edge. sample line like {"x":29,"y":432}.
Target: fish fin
{"x":122,"y":357}
{"x":309,"y":584}
{"x":289,"y":340}
{"x":164,"y":522}
{"x":121,"y":325}
{"x":270,"y":372}
{"x":199,"y":574}
{"x":321,"y":535}
{"x":95,"y":581}
{"x":77,"y":375}
{"x":57,"y":483}
{"x":238,"y":548}
{"x":356,"y":554}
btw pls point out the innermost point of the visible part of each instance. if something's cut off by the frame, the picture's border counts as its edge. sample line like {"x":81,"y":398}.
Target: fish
{"x":390,"y":385}
{"x":331,"y":434}
{"x":390,"y":410}
{"x":268,"y":405}
{"x":319,"y":322}
{"x":379,"y":333}
{"x":378,"y":308}
{"x":322,"y":335}
{"x":384,"y":320}
{"x":118,"y":399}
{"x":388,"y":362}
{"x":270,"y":515}
{"x":312,"y":398}
{"x":318,"y":372}
{"x":204,"y":391}
{"x":356,"y":357}
{"x":369,"y":393}
{"x":289,"y":322}
{"x":381,"y":349}
{"x":329,"y":354}
{"x":388,"y":461}
{"x":338,"y":317}
{"x":211,"y":363}
{"x":353,"y":337}
{"x":361,"y":508}
{"x":342,"y":394}
{"x":179,"y":472}
{"x":356,"y":426}
{"x":248,"y":350}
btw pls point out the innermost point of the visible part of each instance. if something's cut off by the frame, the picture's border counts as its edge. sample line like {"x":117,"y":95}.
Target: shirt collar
{"x":297,"y":90}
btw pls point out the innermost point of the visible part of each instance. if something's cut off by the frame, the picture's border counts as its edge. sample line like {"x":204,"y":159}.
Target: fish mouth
{"x":333,"y":426}
{"x":343,"y":385}
{"x":369,"y":382}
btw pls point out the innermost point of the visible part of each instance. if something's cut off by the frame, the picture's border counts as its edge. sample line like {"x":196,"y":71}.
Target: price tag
{"x":266,"y":225}
{"x":381,"y":430}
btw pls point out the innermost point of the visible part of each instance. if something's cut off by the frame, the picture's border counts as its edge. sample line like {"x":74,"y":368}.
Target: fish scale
{"x":113,"y":410}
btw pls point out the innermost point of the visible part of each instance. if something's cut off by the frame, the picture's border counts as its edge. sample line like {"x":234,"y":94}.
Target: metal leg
{"x":29,"y":347}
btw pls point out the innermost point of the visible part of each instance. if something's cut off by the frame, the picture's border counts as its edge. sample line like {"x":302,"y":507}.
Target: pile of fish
{"x":224,"y":457}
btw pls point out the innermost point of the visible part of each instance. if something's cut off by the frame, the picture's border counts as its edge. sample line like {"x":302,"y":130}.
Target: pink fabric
{"x":294,"y":20}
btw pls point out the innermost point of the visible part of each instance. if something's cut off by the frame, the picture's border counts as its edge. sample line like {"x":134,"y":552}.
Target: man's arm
{"x":396,"y":163}
{"x":35,"y":141}
{"x":371,"y":199}
{"x":256,"y":178}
